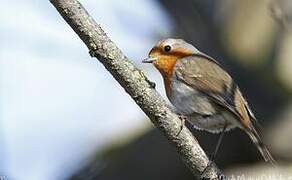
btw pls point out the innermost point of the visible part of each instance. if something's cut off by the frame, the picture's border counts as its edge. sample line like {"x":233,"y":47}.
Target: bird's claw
{"x":202,"y":175}
{"x":221,"y":176}
{"x":151,"y":84}
{"x":183,"y":120}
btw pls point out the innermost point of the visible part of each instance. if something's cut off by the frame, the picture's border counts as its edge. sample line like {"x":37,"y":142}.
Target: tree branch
{"x":137,"y":86}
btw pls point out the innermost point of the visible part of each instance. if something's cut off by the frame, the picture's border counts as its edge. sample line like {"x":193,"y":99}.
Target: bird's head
{"x":166,"y":52}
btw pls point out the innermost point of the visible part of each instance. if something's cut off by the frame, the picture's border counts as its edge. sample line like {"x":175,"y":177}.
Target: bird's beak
{"x":149,"y":60}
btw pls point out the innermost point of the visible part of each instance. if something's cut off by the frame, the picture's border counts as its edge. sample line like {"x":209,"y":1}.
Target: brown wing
{"x":206,"y":75}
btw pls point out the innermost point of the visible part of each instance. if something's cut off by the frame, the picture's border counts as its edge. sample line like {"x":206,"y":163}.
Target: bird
{"x":204,"y":93}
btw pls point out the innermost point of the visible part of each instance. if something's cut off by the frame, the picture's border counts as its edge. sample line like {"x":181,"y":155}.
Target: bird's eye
{"x":167,"y":48}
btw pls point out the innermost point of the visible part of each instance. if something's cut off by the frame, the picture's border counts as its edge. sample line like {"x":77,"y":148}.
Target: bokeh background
{"x":62,"y":115}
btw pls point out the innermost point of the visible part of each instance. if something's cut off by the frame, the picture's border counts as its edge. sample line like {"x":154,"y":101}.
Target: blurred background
{"x":62,"y":115}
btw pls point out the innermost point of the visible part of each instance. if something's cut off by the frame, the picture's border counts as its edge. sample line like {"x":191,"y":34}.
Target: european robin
{"x":203,"y":92}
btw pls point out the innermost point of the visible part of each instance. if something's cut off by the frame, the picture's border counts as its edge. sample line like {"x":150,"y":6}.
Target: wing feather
{"x":207,"y":76}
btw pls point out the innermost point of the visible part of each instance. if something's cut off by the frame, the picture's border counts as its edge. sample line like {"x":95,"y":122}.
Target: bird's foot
{"x":183,"y":120}
{"x":209,"y":165}
{"x":151,"y":84}
{"x":203,"y":176}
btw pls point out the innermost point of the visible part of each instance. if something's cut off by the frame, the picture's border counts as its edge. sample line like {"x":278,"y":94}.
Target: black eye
{"x":167,"y":48}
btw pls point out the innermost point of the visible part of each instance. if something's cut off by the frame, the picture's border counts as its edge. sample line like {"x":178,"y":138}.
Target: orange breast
{"x":165,"y":65}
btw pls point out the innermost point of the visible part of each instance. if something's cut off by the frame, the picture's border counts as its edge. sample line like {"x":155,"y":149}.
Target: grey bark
{"x":137,"y":86}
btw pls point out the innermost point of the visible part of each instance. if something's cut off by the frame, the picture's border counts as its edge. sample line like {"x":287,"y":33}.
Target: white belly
{"x":198,"y":109}
{"x":188,"y":100}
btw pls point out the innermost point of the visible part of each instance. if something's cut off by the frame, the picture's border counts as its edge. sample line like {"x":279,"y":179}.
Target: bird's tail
{"x":257,"y":140}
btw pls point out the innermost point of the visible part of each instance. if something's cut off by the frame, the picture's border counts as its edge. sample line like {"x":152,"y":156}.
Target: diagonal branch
{"x":137,"y":86}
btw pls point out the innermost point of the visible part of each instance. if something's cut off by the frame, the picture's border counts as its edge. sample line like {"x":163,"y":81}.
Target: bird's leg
{"x":183,"y":120}
{"x":219,"y":142}
{"x":212,"y":159}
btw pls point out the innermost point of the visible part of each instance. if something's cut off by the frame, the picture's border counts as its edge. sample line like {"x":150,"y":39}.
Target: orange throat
{"x":166,"y":67}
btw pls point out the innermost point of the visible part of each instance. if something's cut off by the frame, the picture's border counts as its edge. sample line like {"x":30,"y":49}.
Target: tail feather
{"x":257,"y":140}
